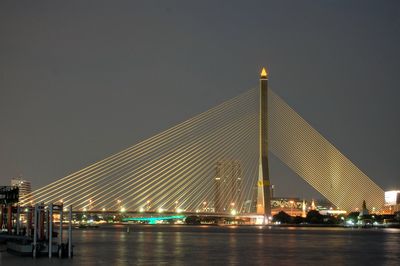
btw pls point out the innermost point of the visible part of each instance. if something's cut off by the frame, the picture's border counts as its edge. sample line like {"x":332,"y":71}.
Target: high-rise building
{"x":227,"y":184}
{"x":392,"y":200}
{"x":392,"y":197}
{"x":24,"y":187}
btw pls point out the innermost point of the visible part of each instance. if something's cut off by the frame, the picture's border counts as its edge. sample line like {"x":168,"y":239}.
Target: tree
{"x":282,"y":217}
{"x":329,"y":219}
{"x":79,"y":216}
{"x":353,"y":216}
{"x":108,"y":218}
{"x":314,"y":217}
{"x":192,"y":220}
{"x":298,"y":220}
{"x":95,"y":217}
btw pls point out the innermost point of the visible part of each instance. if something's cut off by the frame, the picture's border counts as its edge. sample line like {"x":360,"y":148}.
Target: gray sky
{"x":81,"y":80}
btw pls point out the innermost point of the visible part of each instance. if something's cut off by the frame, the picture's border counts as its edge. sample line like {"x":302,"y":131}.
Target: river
{"x":226,"y":245}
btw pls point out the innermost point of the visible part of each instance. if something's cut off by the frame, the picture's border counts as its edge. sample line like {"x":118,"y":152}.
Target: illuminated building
{"x":298,"y":207}
{"x":392,"y":197}
{"x":227,"y":184}
{"x":392,"y":200}
{"x":312,"y":205}
{"x":292,"y":206}
{"x":24,"y":186}
{"x":303,"y":209}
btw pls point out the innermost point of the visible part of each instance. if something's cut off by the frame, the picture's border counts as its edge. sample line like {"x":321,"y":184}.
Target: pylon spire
{"x":264,"y":73}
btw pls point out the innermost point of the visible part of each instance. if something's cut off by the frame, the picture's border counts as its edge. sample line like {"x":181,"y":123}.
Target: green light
{"x":153,"y":220}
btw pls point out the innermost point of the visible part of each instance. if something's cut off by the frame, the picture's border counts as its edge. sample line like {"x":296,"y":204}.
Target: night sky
{"x":81,"y":80}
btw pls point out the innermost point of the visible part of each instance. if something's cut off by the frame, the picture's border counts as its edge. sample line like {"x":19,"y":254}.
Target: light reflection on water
{"x":183,"y":245}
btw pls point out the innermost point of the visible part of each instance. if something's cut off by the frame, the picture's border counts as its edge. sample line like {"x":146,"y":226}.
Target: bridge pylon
{"x":264,"y":184}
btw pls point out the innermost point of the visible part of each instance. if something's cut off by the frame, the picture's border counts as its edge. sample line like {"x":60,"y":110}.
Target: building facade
{"x":227,"y":185}
{"x":24,"y":186}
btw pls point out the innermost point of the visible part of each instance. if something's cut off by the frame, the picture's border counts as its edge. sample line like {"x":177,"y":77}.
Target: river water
{"x":226,"y":245}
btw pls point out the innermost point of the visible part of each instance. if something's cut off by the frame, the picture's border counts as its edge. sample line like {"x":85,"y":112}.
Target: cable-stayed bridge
{"x":212,"y":163}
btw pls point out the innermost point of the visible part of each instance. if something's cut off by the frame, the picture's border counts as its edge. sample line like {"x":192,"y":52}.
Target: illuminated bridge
{"x":216,"y":162}
{"x":153,"y":220}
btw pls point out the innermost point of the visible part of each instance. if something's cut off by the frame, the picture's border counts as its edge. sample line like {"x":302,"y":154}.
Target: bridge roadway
{"x":166,"y":213}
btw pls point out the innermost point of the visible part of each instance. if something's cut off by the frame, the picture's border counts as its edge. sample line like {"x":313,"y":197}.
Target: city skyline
{"x":65,"y":105}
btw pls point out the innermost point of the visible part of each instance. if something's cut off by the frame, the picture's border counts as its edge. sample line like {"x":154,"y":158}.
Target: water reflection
{"x":183,"y":245}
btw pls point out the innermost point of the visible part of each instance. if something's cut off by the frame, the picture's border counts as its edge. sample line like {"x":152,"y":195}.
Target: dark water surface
{"x":212,"y":245}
